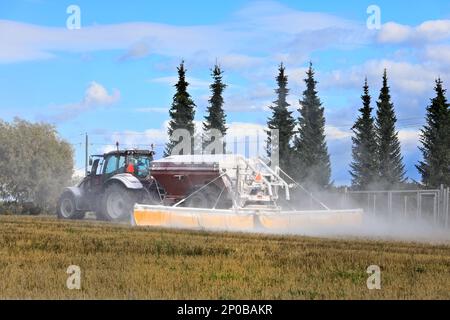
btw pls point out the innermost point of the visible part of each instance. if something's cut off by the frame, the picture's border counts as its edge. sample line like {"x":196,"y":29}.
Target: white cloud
{"x":239,"y":61}
{"x":409,"y":140}
{"x":271,"y":16}
{"x":22,"y":41}
{"x":392,"y":32}
{"x":335,"y":133}
{"x":256,"y":29}
{"x":411,"y":82}
{"x":434,"y":30}
{"x":257,"y":97}
{"x":94,"y":97}
{"x":428,"y":31}
{"x":439,"y":54}
{"x":296,"y":76}
{"x":410,"y":78}
{"x":96,"y":94}
{"x":137,"y":50}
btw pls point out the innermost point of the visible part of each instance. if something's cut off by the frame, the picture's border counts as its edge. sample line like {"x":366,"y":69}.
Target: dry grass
{"x":121,"y":262}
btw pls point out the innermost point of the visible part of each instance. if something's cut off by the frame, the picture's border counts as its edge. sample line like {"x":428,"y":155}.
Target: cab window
{"x":100,"y":168}
{"x":121,"y":165}
{"x":141,"y":164}
{"x":114,"y":164}
{"x":111,"y":164}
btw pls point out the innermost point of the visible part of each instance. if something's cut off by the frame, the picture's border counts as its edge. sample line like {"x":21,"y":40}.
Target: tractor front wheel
{"x":67,"y":207}
{"x":118,"y":203}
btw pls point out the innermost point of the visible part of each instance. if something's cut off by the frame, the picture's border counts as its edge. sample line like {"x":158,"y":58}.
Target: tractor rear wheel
{"x":67,"y":207}
{"x":117,"y":203}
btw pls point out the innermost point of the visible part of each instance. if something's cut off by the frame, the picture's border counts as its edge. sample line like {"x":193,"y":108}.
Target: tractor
{"x":117,"y":180}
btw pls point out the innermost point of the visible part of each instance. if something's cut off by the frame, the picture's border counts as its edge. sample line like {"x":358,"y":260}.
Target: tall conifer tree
{"x":435,"y":139}
{"x":182,"y":112}
{"x":390,"y":160}
{"x":215,"y":117}
{"x":312,"y":158}
{"x":364,"y":168}
{"x":283,"y":121}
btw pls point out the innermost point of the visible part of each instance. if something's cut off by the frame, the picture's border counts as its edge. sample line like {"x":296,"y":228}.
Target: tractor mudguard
{"x":128,"y":180}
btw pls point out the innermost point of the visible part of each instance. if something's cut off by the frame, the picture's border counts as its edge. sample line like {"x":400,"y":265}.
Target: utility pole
{"x":87,"y":154}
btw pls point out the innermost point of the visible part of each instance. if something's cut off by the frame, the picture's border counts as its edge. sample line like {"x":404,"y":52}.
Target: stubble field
{"x":121,"y":262}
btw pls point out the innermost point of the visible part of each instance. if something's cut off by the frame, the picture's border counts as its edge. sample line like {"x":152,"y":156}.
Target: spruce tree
{"x":182,"y":111}
{"x":312,"y":158}
{"x":283,"y":121}
{"x":215,"y":118}
{"x":364,"y":168}
{"x":390,"y":160}
{"x":435,"y":139}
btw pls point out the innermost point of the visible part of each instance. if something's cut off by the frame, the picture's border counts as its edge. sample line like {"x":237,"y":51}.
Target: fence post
{"x":345,"y":197}
{"x":418,"y":204}
{"x":374,"y":204}
{"x":435,"y":206}
{"x":446,"y":198}
{"x":441,"y":203}
{"x":405,"y":212}
{"x":390,"y":204}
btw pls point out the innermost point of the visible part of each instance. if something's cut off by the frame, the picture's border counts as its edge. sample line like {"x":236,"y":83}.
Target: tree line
{"x":377,"y":161}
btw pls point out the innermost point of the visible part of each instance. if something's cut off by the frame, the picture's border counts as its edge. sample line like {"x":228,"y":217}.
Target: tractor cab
{"x":104,"y":167}
{"x":135,"y":162}
{"x":116,"y":180}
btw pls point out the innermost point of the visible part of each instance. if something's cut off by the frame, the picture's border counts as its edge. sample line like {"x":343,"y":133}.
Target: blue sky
{"x":114,"y":77}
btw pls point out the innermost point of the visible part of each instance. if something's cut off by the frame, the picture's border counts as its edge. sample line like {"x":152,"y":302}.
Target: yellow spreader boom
{"x":232,"y":193}
{"x":243,"y":220}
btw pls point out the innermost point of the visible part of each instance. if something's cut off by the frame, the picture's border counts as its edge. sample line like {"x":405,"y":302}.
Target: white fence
{"x":432,"y":205}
